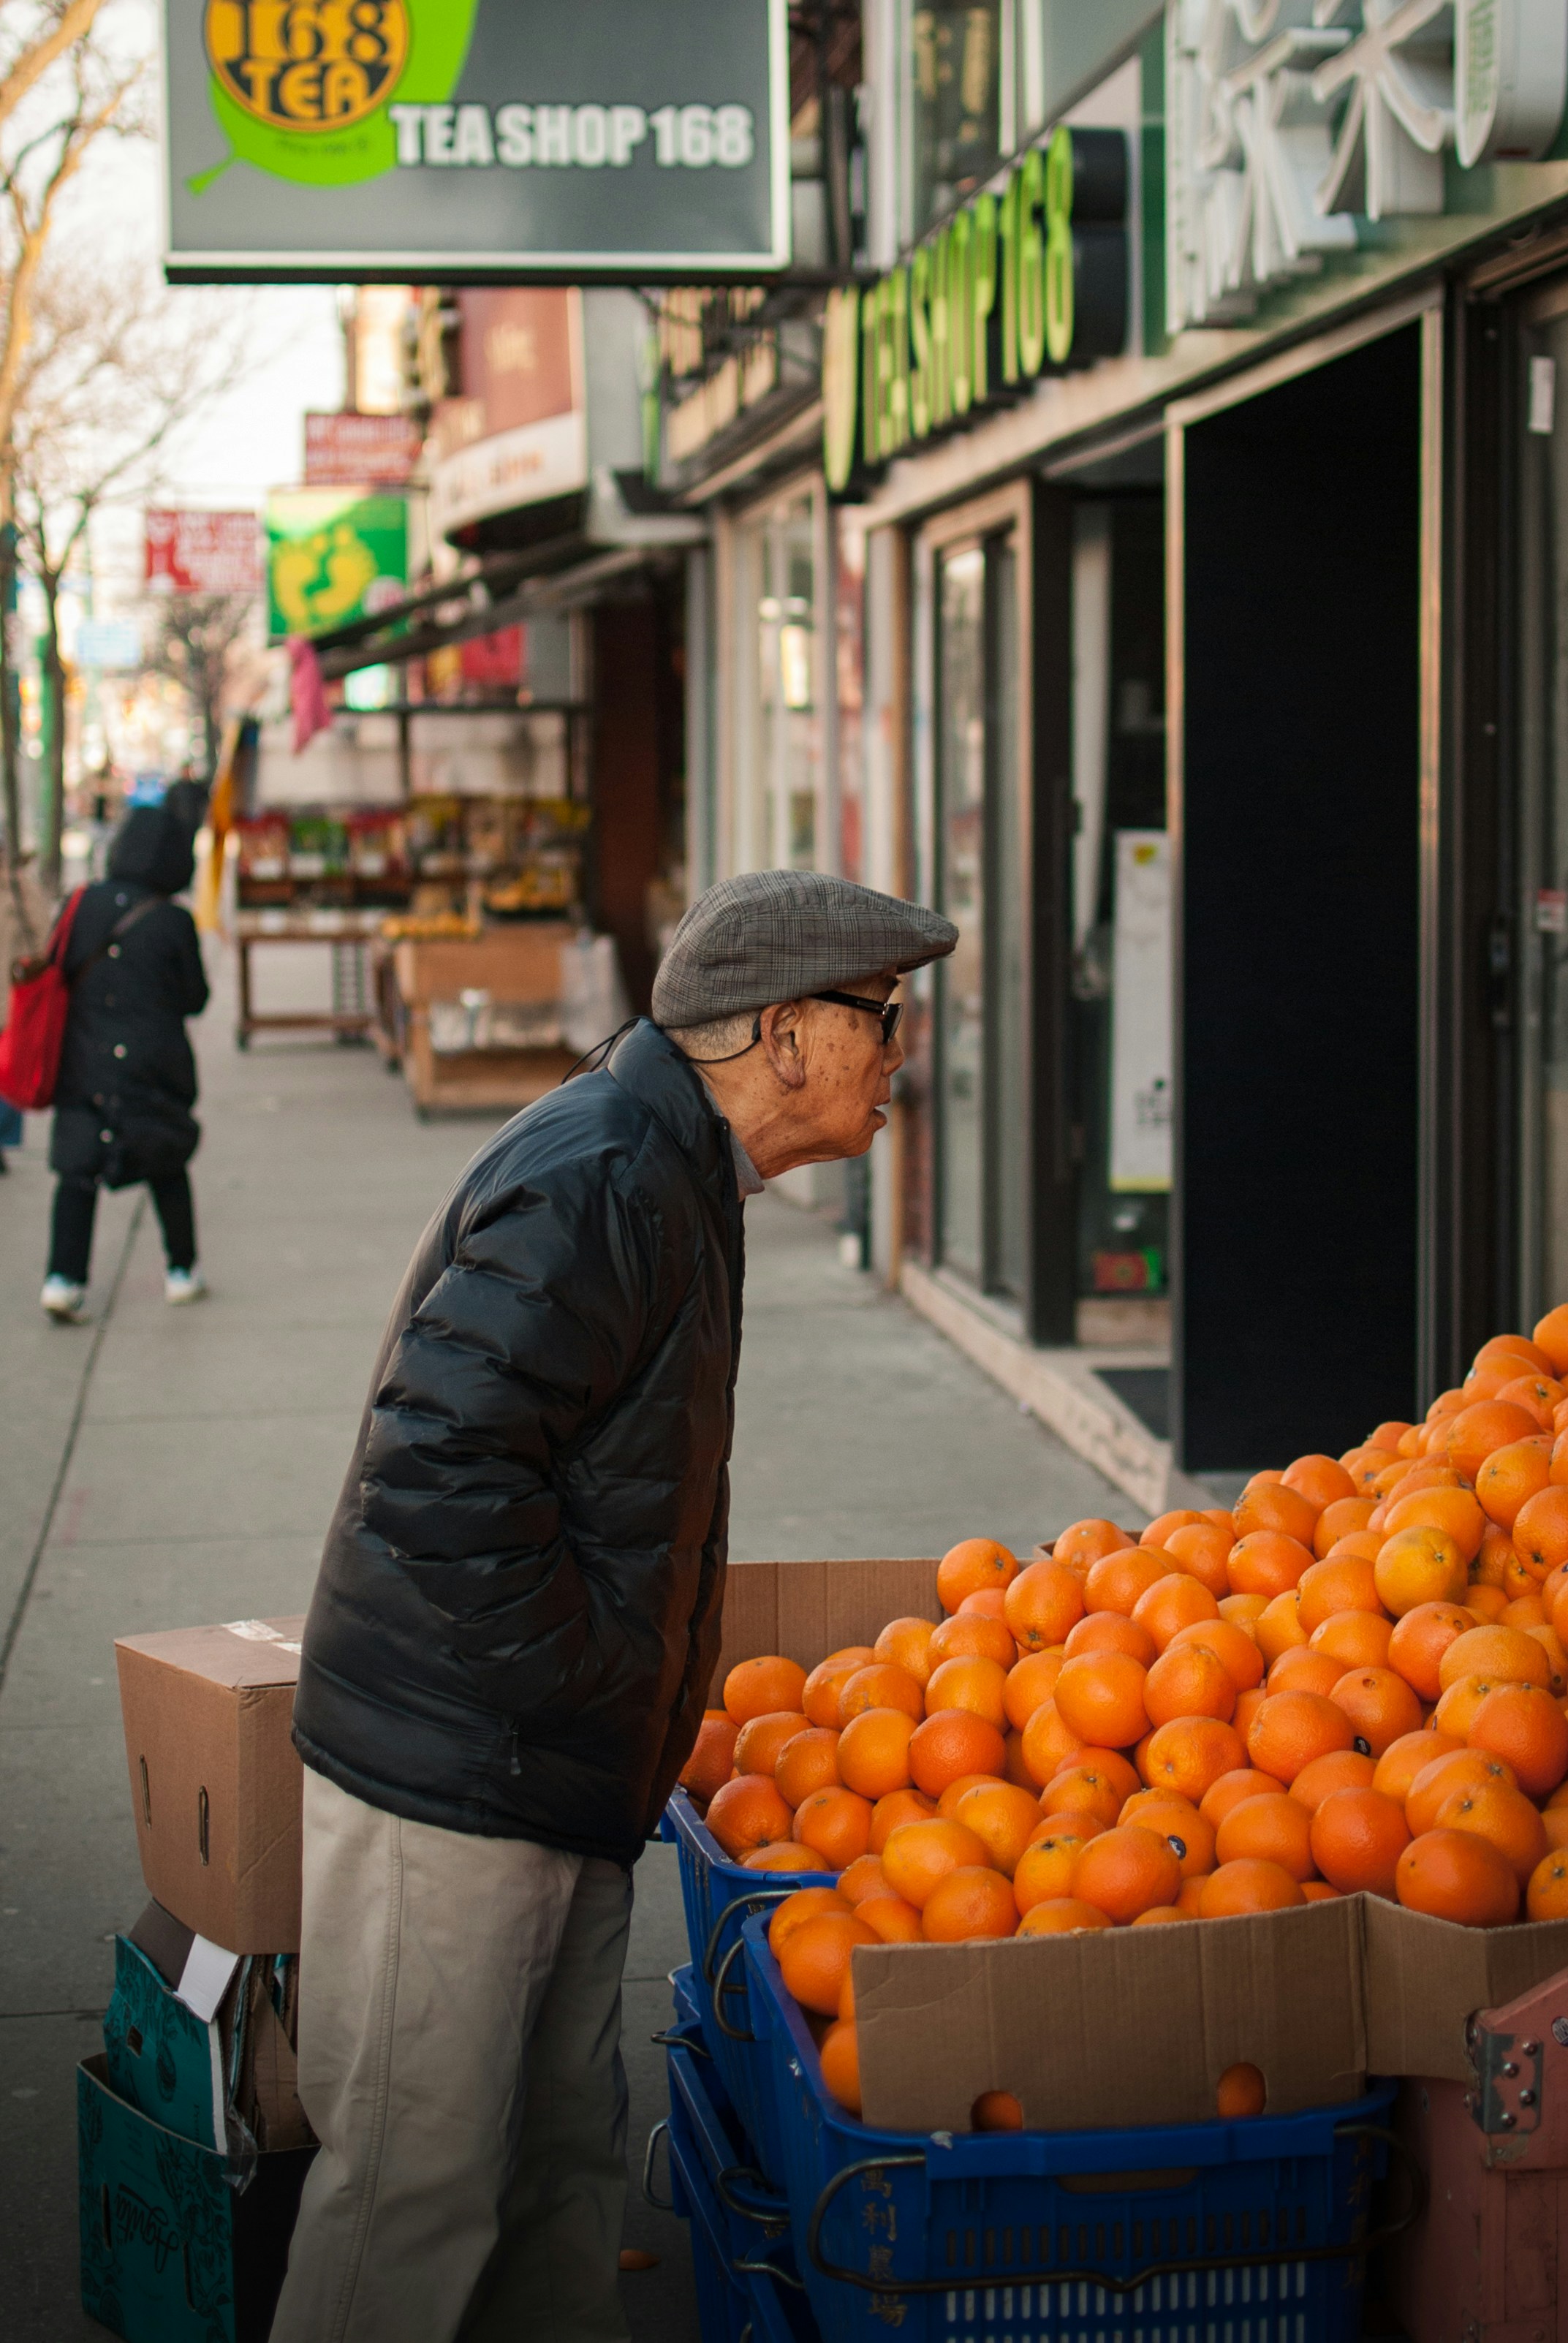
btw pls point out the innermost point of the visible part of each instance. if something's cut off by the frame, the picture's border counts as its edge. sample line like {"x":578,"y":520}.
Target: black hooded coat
{"x":127,"y":1079}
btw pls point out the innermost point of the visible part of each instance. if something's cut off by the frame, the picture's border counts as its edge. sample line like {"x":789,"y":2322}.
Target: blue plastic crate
{"x":723,"y":2306}
{"x":718,"y":1894}
{"x":1204,"y":2233}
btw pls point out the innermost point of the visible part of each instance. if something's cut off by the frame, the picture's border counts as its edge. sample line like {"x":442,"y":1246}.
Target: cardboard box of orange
{"x":1132,"y":2026}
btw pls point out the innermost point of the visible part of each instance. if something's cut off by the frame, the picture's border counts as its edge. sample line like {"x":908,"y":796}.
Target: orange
{"x":972,"y":1564}
{"x":956,"y":1741}
{"x":1453,"y":1510}
{"x":1546,"y":1891}
{"x":814,"y":1959}
{"x":1181,"y":1518}
{"x":1488,"y":1604}
{"x":906,"y":1643}
{"x":1342,"y":1769}
{"x":1001,"y":1817}
{"x":826,"y":1682}
{"x":1555,"y":1823}
{"x":1189,"y":1753}
{"x":1488,"y":1424}
{"x":1236,"y":1651}
{"x":712,"y":1758}
{"x":1379,"y":1704}
{"x":1189,"y":1903}
{"x":763,"y":1688}
{"x":1365,"y":1544}
{"x":1304,"y":1670}
{"x":1042,"y":1605}
{"x":1082,"y":1789}
{"x":1030,"y":1682}
{"x":881,"y":1686}
{"x":1512,"y":1474}
{"x":1248,"y":1704}
{"x":873,"y":1753}
{"x":1526,"y":1347}
{"x":1279,"y":1625}
{"x":1444,"y":1775}
{"x":1267,"y":1505}
{"x":1322,"y":1480}
{"x":1419,"y":1564}
{"x":836,"y":1824}
{"x":973,"y":1901}
{"x":948,"y":1803}
{"x":974,"y":1685}
{"x":1116,"y":1579}
{"x":1098,"y":1696}
{"x":1269,"y":1829}
{"x":1404,"y":1759}
{"x":916,"y":1855}
{"x":1266,"y":1562}
{"x":988,"y":1604}
{"x":903,"y":1807}
{"x":1455,"y":1711}
{"x":783,"y":1856}
{"x":1061,"y":1916}
{"x":1015,"y":1770}
{"x":1342,"y":1583}
{"x":760,"y":1739}
{"x":1126,"y":1871}
{"x":1525,"y":1611}
{"x":1112,"y":1631}
{"x":1240,"y":2092}
{"x":1523,"y":1725}
{"x":1243,"y":1610}
{"x":1229,"y":1791}
{"x":1357,"y":1838}
{"x":1045,"y":1869}
{"x":1501,"y":1814}
{"x":1550,"y":1337}
{"x":839,"y":2054}
{"x":1291,"y":1728}
{"x":1084,"y":1542}
{"x":808,"y":1763}
{"x":861,"y":1879}
{"x":1507,"y":1654}
{"x":1541,"y":1530}
{"x":1251,"y":1884}
{"x":1342,"y":1519}
{"x":1457,"y":1876}
{"x":1497,"y":1564}
{"x":747,"y":1813}
{"x":805,"y":1903}
{"x":892,"y":1920}
{"x":1047,"y":1743}
{"x":1201,"y":1550}
{"x":1177,"y":1820}
{"x":1359,"y":1638}
{"x":971,"y":1635}
{"x":1556,"y":1660}
{"x":1419,"y":1641}
{"x":1171,"y":1603}
{"x":1191,"y":1680}
{"x":996,"y":2111}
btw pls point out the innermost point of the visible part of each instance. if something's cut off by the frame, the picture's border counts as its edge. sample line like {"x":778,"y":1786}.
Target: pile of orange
{"x":1356,"y":1681}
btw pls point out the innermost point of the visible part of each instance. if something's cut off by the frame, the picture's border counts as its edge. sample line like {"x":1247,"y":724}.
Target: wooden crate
{"x":518,"y":964}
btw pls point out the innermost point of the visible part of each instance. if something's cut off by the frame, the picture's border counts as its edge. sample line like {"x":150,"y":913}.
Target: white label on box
{"x":256,"y":1631}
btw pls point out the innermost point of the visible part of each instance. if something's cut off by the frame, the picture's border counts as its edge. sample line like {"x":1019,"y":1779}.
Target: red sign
{"x":203,"y":552}
{"x":359,"y":451}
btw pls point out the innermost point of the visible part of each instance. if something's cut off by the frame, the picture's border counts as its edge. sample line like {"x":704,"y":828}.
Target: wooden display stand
{"x":516,"y":965}
{"x":349,"y":933}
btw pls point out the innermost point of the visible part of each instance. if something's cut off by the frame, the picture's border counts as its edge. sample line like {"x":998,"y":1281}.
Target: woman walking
{"x":127,"y":1079}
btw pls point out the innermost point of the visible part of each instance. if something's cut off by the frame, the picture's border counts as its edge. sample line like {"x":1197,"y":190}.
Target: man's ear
{"x":782,"y":1042}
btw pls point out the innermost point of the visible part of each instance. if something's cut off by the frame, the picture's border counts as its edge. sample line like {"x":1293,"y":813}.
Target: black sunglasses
{"x":887,"y":1012}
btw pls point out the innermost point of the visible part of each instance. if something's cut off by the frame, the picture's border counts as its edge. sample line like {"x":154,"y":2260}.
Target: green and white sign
{"x":332,"y":555}
{"x":432,"y":140}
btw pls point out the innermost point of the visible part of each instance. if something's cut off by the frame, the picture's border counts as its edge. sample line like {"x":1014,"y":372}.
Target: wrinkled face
{"x":851,"y":1068}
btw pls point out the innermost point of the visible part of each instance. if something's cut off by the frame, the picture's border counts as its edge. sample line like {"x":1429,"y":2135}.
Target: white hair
{"x":718,"y":1037}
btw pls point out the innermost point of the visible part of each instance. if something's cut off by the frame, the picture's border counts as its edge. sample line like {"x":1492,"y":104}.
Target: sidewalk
{"x":166,"y":1467}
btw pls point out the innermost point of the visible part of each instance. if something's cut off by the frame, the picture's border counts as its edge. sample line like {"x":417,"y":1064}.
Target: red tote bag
{"x":34,"y":1031}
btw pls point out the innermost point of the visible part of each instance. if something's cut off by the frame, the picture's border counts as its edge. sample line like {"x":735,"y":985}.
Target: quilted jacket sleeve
{"x":542,"y":1316}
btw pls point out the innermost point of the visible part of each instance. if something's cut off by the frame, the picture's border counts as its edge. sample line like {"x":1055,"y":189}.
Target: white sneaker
{"x":64,"y":1300}
{"x":183,"y":1285}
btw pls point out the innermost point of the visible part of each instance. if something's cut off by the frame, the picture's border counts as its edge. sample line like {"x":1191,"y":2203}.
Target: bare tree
{"x":195,"y":642}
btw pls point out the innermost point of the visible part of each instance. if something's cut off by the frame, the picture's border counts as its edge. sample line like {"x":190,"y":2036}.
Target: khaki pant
{"x":459,"y":2058}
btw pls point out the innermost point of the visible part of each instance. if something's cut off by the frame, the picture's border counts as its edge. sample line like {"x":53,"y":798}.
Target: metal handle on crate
{"x":666,"y":2040}
{"x":720,"y":1987}
{"x":757,"y":1902}
{"x":772,"y":2270}
{"x":777,"y":2217}
{"x":1356,"y":2249}
{"x":660,"y":2203}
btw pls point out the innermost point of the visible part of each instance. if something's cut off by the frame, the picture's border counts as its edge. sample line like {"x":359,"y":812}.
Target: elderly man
{"x":518,"y":1614}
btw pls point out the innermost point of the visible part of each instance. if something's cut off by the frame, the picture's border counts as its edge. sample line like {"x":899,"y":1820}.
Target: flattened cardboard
{"x":216,"y":1786}
{"x":804,"y":1610}
{"x":1129,"y":2025}
{"x":1425,"y":1979}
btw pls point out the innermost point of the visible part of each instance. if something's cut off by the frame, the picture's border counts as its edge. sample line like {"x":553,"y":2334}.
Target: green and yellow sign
{"x":332,"y":555}
{"x":1028,"y":281}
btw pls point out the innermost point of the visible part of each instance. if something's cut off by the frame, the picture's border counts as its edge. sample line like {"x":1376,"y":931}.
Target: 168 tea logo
{"x":307,"y":65}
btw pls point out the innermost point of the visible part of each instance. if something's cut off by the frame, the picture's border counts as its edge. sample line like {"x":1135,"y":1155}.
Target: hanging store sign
{"x":420,"y":141}
{"x":1286,"y":126}
{"x":186,"y":552}
{"x":332,"y":556}
{"x":1029,"y":281}
{"x":347,"y":450}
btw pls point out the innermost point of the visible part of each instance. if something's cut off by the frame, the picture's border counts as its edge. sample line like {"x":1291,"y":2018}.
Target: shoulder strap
{"x":122,"y":926}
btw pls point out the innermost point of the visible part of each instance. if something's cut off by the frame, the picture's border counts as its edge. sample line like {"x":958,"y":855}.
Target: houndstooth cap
{"x":782,"y":935}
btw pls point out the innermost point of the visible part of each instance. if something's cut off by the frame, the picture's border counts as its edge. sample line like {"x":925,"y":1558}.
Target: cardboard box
{"x":172,"y":2251}
{"x":216,"y":1784}
{"x":1426,"y":1979}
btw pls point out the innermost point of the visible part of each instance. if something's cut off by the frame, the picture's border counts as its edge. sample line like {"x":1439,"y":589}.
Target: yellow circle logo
{"x":307,"y":65}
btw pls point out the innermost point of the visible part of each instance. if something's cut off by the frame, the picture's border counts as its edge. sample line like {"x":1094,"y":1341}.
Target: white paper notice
{"x":205,"y":1978}
{"x":1140,"y":1014}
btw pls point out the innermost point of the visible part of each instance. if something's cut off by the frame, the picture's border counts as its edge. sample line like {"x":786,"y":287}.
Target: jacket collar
{"x":650,"y":1068}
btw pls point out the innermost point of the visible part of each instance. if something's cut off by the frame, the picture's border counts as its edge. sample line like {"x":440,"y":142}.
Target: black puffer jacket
{"x":127,"y":1079}
{"x":518,"y":1604}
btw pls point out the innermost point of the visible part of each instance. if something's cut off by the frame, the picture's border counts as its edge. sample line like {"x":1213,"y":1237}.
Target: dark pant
{"x":76,"y":1203}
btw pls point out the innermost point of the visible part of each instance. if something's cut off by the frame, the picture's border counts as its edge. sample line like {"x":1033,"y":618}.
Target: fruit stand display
{"x":948,"y":1815}
{"x":478,"y":1013}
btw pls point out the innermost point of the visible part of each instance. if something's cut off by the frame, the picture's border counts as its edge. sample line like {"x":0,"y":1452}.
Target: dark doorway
{"x":1296,"y":1171}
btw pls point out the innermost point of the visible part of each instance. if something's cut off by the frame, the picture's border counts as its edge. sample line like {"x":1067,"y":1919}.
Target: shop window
{"x":955,"y":102}
{"x":781,"y":586}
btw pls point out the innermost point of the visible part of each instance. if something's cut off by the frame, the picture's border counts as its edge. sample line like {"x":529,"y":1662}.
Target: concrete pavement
{"x":162,"y":1467}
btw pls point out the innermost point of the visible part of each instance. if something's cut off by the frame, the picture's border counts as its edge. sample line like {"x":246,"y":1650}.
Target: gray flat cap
{"x":780,"y":935}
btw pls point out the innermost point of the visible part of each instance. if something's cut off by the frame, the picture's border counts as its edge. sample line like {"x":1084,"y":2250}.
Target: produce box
{"x":216,"y":1786}
{"x":1425,"y":1980}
